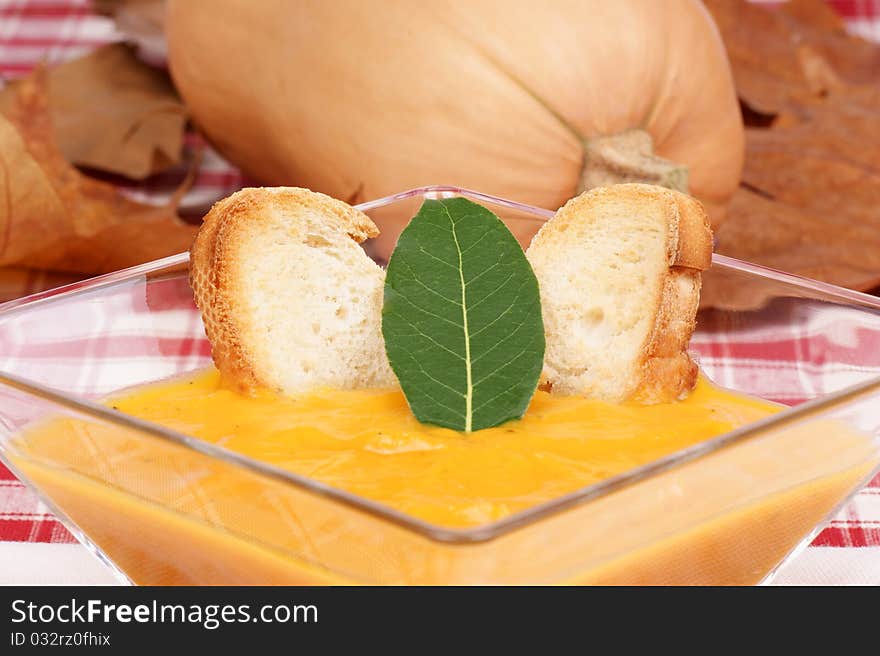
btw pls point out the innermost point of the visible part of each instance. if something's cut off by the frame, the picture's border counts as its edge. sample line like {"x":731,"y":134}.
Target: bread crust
{"x":215,"y":267}
{"x":668,"y":371}
{"x":695,"y":241}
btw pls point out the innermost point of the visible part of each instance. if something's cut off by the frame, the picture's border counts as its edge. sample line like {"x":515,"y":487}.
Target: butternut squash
{"x":530,"y":101}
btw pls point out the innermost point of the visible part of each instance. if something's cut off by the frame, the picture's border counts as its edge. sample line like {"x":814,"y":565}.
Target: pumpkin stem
{"x":628,"y":157}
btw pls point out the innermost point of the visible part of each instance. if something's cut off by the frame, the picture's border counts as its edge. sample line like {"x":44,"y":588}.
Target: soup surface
{"x":367,"y":442}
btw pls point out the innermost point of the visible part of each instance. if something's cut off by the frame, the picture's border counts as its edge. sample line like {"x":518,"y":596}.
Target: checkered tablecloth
{"x":35,"y":547}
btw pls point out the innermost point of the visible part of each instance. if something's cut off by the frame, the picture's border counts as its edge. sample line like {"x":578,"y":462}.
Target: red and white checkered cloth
{"x":771,"y":360}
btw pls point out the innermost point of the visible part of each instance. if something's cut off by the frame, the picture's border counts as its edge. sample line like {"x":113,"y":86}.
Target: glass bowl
{"x":176,"y":510}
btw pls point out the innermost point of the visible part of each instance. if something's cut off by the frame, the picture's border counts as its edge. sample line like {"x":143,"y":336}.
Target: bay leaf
{"x":462,"y":318}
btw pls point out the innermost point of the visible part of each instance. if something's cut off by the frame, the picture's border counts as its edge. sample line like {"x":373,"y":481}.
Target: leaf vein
{"x":420,"y":333}
{"x":499,"y":343}
{"x":439,"y":259}
{"x":472,"y":246}
{"x":469,"y":395}
{"x":430,"y":377}
{"x":483,"y":272}
{"x":418,"y":280}
{"x":499,"y":317}
{"x":429,"y":313}
{"x":493,"y":292}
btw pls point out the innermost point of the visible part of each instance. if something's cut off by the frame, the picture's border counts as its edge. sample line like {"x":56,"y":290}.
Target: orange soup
{"x":167,"y":514}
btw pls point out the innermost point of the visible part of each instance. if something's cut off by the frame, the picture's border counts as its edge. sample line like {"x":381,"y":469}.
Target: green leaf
{"x":462,"y":317}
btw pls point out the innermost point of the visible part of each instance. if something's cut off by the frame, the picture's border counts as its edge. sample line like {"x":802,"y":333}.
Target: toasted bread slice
{"x":289,"y":299}
{"x":619,"y":272}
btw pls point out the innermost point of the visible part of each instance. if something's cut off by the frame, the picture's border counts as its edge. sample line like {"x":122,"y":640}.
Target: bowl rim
{"x":452,"y":536}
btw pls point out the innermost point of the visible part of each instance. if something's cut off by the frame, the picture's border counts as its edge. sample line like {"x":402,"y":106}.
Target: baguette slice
{"x":619,"y":272}
{"x":289,"y":299}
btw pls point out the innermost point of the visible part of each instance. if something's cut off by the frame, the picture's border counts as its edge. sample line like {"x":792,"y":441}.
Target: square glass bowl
{"x":165,"y":508}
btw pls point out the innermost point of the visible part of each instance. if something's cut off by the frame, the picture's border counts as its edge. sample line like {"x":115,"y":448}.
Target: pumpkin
{"x":533,"y":102}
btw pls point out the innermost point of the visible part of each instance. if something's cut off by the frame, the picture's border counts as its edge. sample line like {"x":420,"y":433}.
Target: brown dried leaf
{"x":845,"y":116}
{"x":811,"y":183}
{"x":789,"y":54}
{"x":54,"y":217}
{"x":114,"y":113}
{"x":802,"y":241}
{"x":808,"y":206}
{"x":816,"y":171}
{"x":820,"y":77}
{"x":761,"y":50}
{"x":815,"y":14}
{"x":814,"y":22}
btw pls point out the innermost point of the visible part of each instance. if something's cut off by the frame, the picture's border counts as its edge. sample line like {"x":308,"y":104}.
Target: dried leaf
{"x":814,"y":22}
{"x":798,"y":168}
{"x":845,"y":116}
{"x":792,"y":239}
{"x":815,"y":14}
{"x":761,"y":50}
{"x":788,"y":54}
{"x":811,"y":182}
{"x":820,"y":77}
{"x":114,"y":113}
{"x":53,"y":217}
